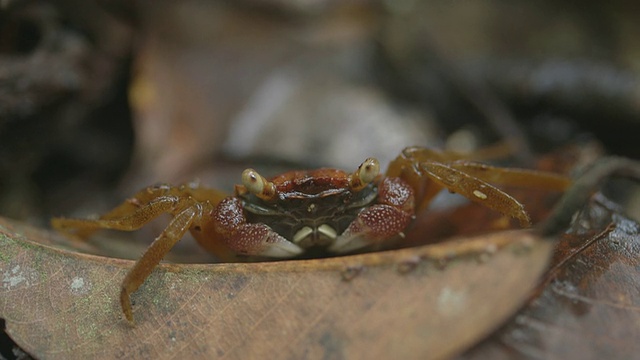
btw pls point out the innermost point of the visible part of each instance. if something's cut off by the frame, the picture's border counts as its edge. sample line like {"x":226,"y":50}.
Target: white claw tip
{"x":282,"y":249}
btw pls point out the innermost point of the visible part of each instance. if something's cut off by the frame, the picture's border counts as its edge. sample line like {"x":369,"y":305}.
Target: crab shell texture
{"x":326,"y":209}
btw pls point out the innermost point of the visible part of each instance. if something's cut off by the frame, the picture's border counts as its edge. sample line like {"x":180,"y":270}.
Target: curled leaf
{"x":431,"y":301}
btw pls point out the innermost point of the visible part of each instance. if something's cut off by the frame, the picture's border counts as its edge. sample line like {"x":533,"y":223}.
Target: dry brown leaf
{"x":426,"y":302}
{"x":588,"y":307}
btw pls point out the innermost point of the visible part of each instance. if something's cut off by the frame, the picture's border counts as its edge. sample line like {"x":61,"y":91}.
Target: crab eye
{"x":258,"y":185}
{"x":368,"y":170}
{"x":365,"y":174}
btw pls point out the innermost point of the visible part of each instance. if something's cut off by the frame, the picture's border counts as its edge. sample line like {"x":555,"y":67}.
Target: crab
{"x":299,"y":211}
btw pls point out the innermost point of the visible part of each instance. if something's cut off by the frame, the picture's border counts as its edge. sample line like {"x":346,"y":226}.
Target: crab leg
{"x":176,"y":229}
{"x":130,"y":222}
{"x":136,"y":209}
{"x":186,"y":211}
{"x":476,"y":190}
{"x":471,"y":179}
{"x":514,"y":177}
{"x":406,"y":166}
{"x":428,"y":171}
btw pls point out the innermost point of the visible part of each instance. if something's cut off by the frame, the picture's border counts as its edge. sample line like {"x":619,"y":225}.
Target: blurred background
{"x":101,"y":98}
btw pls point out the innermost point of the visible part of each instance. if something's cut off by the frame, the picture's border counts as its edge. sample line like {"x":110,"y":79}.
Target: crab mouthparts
{"x":322,"y":235}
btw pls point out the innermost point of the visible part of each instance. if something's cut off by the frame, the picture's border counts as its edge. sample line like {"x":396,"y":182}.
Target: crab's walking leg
{"x":525,"y":178}
{"x":476,"y":190}
{"x":131,"y":221}
{"x":407,"y":167}
{"x":176,"y":229}
{"x":429,"y":171}
{"x":84,"y":228}
{"x":186,"y":211}
{"x":471,"y":179}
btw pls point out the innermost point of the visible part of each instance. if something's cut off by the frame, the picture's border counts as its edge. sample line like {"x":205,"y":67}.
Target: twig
{"x":582,"y":189}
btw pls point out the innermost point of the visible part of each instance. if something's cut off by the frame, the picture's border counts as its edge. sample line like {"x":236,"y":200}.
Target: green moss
{"x":9,"y":250}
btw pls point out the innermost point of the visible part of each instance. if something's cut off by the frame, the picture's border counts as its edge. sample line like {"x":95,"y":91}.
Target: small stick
{"x":583,"y":188}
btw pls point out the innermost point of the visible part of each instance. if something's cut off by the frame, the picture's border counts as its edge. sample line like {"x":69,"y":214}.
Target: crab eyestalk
{"x":258,"y":185}
{"x":364,"y":175}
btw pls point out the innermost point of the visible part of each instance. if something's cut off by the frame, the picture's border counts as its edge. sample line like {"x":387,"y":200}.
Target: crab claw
{"x":244,"y":238}
{"x":261,"y":240}
{"x":372,"y":226}
{"x":383,"y":221}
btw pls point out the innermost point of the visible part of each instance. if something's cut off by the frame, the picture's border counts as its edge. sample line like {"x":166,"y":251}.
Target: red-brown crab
{"x":299,"y":210}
